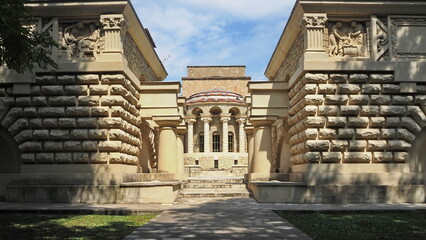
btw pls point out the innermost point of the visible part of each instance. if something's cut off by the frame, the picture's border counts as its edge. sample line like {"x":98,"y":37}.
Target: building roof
{"x":215,"y":95}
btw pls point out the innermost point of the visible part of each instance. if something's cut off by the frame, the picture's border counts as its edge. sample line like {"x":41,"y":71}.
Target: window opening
{"x":216,"y":142}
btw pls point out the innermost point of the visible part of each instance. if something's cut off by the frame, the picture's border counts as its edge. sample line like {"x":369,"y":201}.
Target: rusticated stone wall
{"x":353,"y":118}
{"x":87,"y":118}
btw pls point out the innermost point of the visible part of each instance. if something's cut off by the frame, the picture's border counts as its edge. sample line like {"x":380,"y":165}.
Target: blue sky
{"x":214,"y":32}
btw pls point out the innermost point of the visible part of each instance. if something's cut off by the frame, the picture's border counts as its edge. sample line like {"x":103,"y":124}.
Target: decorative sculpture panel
{"x":82,"y":40}
{"x":347,"y":39}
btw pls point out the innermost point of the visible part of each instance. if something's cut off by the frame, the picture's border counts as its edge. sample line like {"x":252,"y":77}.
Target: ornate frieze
{"x":347,"y":39}
{"x":407,"y":35}
{"x":82,"y":40}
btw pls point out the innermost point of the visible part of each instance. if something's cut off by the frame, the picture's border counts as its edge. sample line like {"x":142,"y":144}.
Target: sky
{"x":214,"y":32}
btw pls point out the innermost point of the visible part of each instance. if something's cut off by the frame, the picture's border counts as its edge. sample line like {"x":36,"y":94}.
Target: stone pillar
{"x":190,"y":140}
{"x":242,"y":134}
{"x":250,"y":146}
{"x":167,"y":144}
{"x":181,"y":130}
{"x":225,"y":120}
{"x":262,"y":157}
{"x":114,"y":26}
{"x":314,"y":24}
{"x":206,"y":121}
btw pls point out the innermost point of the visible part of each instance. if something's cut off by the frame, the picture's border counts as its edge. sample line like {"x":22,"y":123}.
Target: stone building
{"x":216,"y":141}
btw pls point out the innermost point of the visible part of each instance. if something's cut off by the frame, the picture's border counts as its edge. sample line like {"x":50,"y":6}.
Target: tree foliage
{"x":21,"y":48}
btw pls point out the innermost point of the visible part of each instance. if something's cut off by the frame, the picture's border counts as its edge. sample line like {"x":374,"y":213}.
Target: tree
{"x":21,"y":49}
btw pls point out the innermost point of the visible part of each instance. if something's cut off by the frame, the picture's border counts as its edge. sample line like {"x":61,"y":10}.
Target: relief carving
{"x":380,"y":40}
{"x":111,"y":22}
{"x":347,"y":39}
{"x":82,"y":40}
{"x":313,"y":20}
{"x":406,"y":33}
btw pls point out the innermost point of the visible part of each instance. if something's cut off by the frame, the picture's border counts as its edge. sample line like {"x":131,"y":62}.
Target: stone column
{"x":181,"y":130}
{"x":242,"y":134}
{"x":250,"y":146}
{"x":167,"y":144}
{"x":314,"y":25}
{"x":206,"y":121}
{"x":225,"y":120}
{"x":114,"y":26}
{"x":190,"y":140}
{"x":262,"y":157}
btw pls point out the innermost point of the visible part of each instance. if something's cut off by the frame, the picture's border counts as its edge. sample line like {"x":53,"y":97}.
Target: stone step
{"x":205,"y":193}
{"x":214,"y":185}
{"x":215,"y":180}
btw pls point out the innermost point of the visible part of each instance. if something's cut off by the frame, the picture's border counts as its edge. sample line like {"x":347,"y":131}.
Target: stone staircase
{"x":211,"y":187}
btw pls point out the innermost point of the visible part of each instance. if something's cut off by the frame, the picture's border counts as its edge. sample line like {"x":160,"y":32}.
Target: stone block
{"x":87,"y":122}
{"x":338,"y":78}
{"x":347,"y":133}
{"x":98,"y":89}
{"x":28,"y":157}
{"x":59,"y":134}
{"x":377,"y":122}
{"x":23,"y":136}
{"x":387,"y":133}
{"x":371,"y":133}
{"x":316,"y":78}
{"x":381,"y":78}
{"x":349,"y":88}
{"x":317,"y":145}
{"x":382,"y":157}
{"x":327,"y":133}
{"x":101,"y":134}
{"x":371,"y":88}
{"x":66,"y":122}
{"x":110,"y":145}
{"x":36,"y":123}
{"x":328,"y":110}
{"x":311,"y":157}
{"x":23,"y":101}
{"x":41,"y":134}
{"x":420,"y":99}
{"x":405,"y":135}
{"x":393,"y":110}
{"x":327,"y":88}
{"x":63,"y":157}
{"x":376,"y":145}
{"x":380,"y":99}
{"x":401,"y":157}
{"x":80,"y":158}
{"x":336,"y":121}
{"x":113,"y":101}
{"x":339,"y":145}
{"x":421,"y":89}
{"x":358,"y":78}
{"x":45,"y":157}
{"x":87,"y":79}
{"x":79,"y":134}
{"x":402,"y":100}
{"x":331,"y":157}
{"x":72,"y":146}
{"x":114,"y":157}
{"x":349,"y":110}
{"x":308,"y":100}
{"x":51,"y":112}
{"x":358,"y":121}
{"x":336,"y":99}
{"x":99,"y":157}
{"x":369,"y":110}
{"x":39,"y":101}
{"x":66,"y":79}
{"x":121,"y":90}
{"x":63,"y":101}
{"x":2,"y":92}
{"x":110,"y":122}
{"x":89,"y":146}
{"x":391,"y":88}
{"x":76,"y":90}
{"x":393,"y":121}
{"x":31,"y":147}
{"x":35,"y":90}
{"x":88,"y":100}
{"x":18,"y":125}
{"x":29,"y":112}
{"x":45,"y":79}
{"x":357,"y":157}
{"x":357,"y":145}
{"x":78,"y":111}
{"x":52,"y":146}
{"x":409,"y":123}
{"x":110,"y":79}
{"x":52,"y":90}
{"x":398,"y":145}
{"x":358,"y":99}
{"x":99,"y":112}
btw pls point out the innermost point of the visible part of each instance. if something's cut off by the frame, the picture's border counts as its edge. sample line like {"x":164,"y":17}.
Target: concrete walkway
{"x":214,"y":218}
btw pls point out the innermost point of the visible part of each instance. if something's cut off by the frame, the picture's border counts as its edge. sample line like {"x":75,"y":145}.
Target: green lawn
{"x":67,"y":227}
{"x":360,"y":226}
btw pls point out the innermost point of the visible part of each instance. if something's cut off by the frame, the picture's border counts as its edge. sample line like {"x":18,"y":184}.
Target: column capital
{"x":167,"y":121}
{"x":181,"y":130}
{"x":190,"y":119}
{"x":259,"y":121}
{"x":249,"y":130}
{"x":314,"y":20}
{"x":206,"y":119}
{"x":225,"y":119}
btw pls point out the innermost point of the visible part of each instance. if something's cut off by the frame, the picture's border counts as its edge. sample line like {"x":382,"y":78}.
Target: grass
{"x":67,"y":227}
{"x":359,"y":226}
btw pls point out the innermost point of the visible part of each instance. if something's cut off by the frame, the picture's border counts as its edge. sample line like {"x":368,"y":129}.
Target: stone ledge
{"x":150,"y":184}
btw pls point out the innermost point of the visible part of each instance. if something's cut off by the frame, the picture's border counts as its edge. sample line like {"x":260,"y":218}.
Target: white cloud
{"x":219,"y":32}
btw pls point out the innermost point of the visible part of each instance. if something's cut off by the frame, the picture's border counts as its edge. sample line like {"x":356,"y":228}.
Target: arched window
{"x":216,"y":142}
{"x":230,"y":141}
{"x":201,"y":142}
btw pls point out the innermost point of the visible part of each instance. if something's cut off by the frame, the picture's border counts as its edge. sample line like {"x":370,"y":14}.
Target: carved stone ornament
{"x":407,"y":34}
{"x":114,"y":22}
{"x":82,"y":40}
{"x":380,"y":40}
{"x":347,"y":39}
{"x":315,"y":20}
